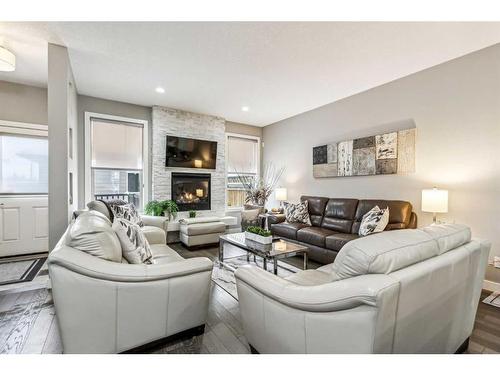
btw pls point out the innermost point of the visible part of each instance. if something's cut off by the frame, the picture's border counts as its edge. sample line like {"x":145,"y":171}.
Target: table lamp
{"x":434,"y":200}
{"x":280,"y":195}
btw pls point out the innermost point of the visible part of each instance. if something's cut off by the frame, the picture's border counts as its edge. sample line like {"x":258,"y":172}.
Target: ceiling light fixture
{"x":7,"y":60}
{"x":160,"y":90}
{"x":245,"y":108}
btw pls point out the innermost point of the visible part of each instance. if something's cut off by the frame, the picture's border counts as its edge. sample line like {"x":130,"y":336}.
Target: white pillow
{"x":91,"y":233}
{"x":135,"y":246}
{"x":374,"y":221}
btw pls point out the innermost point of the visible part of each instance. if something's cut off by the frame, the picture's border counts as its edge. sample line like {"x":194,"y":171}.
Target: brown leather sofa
{"x":336,"y":221}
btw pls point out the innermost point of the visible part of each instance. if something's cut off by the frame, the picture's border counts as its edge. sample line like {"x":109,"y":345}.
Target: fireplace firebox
{"x":191,"y":191}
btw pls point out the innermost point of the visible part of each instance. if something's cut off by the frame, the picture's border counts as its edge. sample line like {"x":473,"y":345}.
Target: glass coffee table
{"x":279,"y":249}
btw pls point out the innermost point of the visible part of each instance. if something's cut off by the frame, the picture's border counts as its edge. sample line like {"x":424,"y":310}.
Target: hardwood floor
{"x":28,"y":323}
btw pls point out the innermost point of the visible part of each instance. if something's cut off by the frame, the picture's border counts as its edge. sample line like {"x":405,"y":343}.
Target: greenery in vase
{"x":158,"y":208}
{"x":192,"y":213}
{"x":259,"y":231}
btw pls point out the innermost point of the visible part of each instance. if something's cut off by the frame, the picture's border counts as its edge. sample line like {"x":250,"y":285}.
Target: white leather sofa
{"x":405,"y":291}
{"x":109,"y":307}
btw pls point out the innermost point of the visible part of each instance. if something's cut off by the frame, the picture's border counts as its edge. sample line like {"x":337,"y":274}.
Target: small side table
{"x":264,"y":219}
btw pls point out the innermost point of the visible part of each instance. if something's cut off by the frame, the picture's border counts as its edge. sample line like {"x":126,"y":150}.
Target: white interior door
{"x":23,"y":188}
{"x":23,"y":225}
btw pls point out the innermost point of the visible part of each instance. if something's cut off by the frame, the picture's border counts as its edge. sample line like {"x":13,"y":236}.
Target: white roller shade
{"x":242,"y":155}
{"x":116,"y":145}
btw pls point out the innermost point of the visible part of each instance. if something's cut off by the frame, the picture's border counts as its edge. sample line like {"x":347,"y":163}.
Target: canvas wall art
{"x":389,"y":153}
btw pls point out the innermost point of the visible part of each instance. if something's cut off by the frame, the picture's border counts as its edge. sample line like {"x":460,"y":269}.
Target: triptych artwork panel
{"x":388,"y":153}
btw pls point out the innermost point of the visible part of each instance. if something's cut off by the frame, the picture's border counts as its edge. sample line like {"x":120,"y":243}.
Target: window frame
{"x":88,"y":151}
{"x":24,"y":129}
{"x":245,"y":136}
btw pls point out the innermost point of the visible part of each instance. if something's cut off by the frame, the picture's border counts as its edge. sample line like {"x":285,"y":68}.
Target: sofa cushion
{"x":287,"y":230}
{"x":154,"y":235}
{"x":316,"y":207}
{"x":449,"y":236}
{"x":399,"y":213}
{"x":339,"y":214}
{"x":310,"y":278}
{"x":338,"y":240}
{"x":91,"y":233}
{"x":135,"y":246}
{"x":99,"y":206}
{"x":314,"y":235}
{"x":164,"y":254}
{"x":384,"y":252}
{"x":203,"y":228}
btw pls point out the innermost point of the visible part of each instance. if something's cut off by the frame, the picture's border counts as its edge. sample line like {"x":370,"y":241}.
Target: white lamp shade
{"x":280,"y":194}
{"x":7,"y":60}
{"x":434,"y":200}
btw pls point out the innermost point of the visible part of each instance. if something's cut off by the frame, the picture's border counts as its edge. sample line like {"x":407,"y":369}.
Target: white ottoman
{"x":201,"y":231}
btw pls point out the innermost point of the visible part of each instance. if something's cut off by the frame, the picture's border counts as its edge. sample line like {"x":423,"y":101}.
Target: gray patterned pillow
{"x":127,"y":212}
{"x":297,"y":213}
{"x":135,"y":246}
{"x":374,"y":221}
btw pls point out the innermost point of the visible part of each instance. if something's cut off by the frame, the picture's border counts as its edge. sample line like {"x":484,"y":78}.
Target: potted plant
{"x":167,"y":208}
{"x":192,"y":213}
{"x":258,"y":234}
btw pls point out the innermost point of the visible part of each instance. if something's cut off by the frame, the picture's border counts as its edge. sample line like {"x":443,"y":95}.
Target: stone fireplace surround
{"x":190,"y":125}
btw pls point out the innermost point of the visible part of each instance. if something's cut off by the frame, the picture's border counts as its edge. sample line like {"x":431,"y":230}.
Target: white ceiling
{"x":277,"y":69}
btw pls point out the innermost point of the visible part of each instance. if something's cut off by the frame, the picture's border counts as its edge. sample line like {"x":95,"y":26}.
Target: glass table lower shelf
{"x":278,"y":249}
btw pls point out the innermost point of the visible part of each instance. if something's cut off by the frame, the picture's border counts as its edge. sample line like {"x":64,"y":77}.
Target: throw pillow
{"x":91,"y":233}
{"x":374,"y":221}
{"x":127,"y":212}
{"x":297,"y":212}
{"x":110,"y":203}
{"x":135,"y":246}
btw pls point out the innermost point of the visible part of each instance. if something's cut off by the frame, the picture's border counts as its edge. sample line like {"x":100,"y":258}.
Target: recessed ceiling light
{"x":160,"y":90}
{"x":245,"y":108}
{"x":7,"y":60}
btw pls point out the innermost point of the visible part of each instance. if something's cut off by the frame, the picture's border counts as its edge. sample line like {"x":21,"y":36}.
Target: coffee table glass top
{"x":279,"y":248}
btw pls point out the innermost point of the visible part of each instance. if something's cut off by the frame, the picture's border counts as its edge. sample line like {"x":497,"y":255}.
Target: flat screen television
{"x":190,"y":153}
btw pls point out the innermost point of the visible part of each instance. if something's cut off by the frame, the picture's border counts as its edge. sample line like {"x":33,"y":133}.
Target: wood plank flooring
{"x":28,"y":323}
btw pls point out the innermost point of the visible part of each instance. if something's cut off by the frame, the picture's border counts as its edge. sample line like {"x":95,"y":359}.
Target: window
{"x":24,"y":164}
{"x":117,"y":158}
{"x":243,"y":159}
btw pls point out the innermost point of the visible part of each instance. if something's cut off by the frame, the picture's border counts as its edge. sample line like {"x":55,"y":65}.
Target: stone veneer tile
{"x":189,"y":125}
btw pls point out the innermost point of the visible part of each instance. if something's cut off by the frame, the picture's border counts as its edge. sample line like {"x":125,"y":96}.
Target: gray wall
{"x":456,"y":109}
{"x":107,"y":107}
{"x":23,"y":103}
{"x":62,"y":98}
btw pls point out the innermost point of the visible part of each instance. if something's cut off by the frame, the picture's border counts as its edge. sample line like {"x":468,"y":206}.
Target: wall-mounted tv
{"x":190,"y":153}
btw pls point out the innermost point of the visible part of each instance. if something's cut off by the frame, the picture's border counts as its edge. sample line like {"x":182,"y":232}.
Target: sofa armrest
{"x":155,"y":221}
{"x":332,"y":296}
{"x":275,"y":219}
{"x":91,"y":266}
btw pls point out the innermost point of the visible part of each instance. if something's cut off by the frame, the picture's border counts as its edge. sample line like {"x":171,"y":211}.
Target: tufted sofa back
{"x":345,"y":214}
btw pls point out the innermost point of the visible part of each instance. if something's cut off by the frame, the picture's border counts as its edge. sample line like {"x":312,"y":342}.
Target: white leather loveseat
{"x":105,"y":306}
{"x":405,"y":291}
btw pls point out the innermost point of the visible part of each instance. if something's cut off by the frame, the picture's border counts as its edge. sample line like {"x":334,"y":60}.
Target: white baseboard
{"x":491,"y":286}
